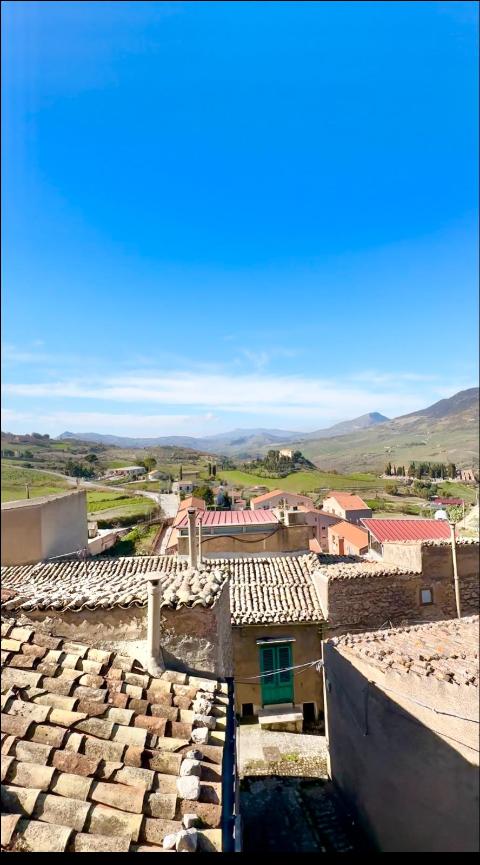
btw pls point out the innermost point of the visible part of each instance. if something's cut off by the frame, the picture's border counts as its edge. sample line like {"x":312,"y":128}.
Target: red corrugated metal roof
{"x":438,"y":500}
{"x":234,"y":518}
{"x":407,"y":530}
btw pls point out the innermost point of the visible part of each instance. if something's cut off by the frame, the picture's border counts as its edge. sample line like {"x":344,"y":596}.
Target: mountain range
{"x":446,"y":431}
{"x":237,"y":441}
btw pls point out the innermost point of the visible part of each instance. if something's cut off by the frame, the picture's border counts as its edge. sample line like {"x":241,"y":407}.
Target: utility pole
{"x":455,"y":569}
{"x":27,"y":490}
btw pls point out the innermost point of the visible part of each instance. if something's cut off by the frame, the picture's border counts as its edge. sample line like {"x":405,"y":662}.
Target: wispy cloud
{"x":250,"y":393}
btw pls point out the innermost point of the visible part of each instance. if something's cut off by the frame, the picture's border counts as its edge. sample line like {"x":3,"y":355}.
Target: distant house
{"x":286,"y":452}
{"x":383,"y":533}
{"x":190,"y":502}
{"x":347,"y":539}
{"x":438,"y":500}
{"x":127,"y":471}
{"x":277,"y":498}
{"x":467,"y":475}
{"x":346,"y":506}
{"x":182,"y":486}
{"x":319,"y":520}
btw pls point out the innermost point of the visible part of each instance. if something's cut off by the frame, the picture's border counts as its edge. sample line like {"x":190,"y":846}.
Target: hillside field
{"x":14,"y":479}
{"x":299,"y":482}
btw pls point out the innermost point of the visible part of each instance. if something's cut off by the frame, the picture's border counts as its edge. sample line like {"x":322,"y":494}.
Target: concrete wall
{"x":37,"y":529}
{"x":285,"y":539}
{"x":307,"y":647}
{"x":411,"y":789}
{"x":369,"y":601}
{"x":197,"y":639}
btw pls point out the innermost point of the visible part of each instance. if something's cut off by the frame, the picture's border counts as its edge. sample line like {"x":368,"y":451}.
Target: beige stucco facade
{"x":306,"y":647}
{"x":274,"y":500}
{"x":36,"y":529}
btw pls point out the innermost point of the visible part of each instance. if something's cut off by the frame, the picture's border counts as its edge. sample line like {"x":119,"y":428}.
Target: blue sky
{"x":236,"y":214}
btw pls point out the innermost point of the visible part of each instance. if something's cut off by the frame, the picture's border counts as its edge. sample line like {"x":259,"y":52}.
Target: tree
{"x":148,"y":463}
{"x":209,"y":470}
{"x":204,"y":492}
{"x":388,"y":469}
{"x":411,"y":470}
{"x":92,"y":458}
{"x":180,"y":473}
{"x":214,"y":470}
{"x":452,"y":470}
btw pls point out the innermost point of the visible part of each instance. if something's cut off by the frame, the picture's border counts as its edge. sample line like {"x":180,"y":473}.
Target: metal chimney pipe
{"x":192,"y":545}
{"x":155,"y":664}
{"x":455,"y":569}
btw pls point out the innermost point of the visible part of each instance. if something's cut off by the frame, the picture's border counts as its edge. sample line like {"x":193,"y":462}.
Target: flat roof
{"x":39,"y":500}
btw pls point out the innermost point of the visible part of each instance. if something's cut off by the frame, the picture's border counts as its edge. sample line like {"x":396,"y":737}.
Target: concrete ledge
{"x":281,"y":717}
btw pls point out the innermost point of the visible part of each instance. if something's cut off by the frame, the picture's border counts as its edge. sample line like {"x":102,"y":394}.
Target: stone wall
{"x":409,"y":776}
{"x":307,"y":647}
{"x":194,"y":639}
{"x":368,"y":602}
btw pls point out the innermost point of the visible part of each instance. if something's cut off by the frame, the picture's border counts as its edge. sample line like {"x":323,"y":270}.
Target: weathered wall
{"x":331,"y":506}
{"x":197,"y":639}
{"x":412,"y":790}
{"x":36,"y":530}
{"x":286,"y":539}
{"x":371,"y":601}
{"x":404,"y":555}
{"x":307,"y":647}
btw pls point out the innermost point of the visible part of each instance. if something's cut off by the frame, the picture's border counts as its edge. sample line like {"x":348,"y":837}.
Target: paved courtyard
{"x":268,"y":752}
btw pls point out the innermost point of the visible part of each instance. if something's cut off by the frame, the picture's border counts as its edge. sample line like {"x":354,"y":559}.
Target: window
{"x":426,"y":596}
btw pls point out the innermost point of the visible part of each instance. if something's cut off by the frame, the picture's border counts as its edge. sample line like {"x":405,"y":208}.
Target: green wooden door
{"x":277,"y":687}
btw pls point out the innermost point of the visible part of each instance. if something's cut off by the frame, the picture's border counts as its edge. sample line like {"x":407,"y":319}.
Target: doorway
{"x":278,"y":686}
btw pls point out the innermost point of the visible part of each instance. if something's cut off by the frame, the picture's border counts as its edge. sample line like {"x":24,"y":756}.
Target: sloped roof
{"x":274,"y":590}
{"x":348,"y":501}
{"x":446,"y":650}
{"x":108,"y":583}
{"x":355,"y":534}
{"x":97,"y":753}
{"x":407,"y":530}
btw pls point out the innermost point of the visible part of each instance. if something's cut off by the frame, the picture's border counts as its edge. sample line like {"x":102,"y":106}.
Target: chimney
{"x":192,"y":541}
{"x":200,"y":539}
{"x":155,"y":665}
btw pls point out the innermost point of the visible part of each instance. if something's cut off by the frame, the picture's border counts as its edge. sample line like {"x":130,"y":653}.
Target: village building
{"x":277,"y":624}
{"x":131,"y":472}
{"x":468,"y":476}
{"x":235,"y":532}
{"x":280,"y":499}
{"x":171,"y":545}
{"x":47,"y":526}
{"x":382,"y":533}
{"x":346,"y":506}
{"x":402,"y":714}
{"x":184,"y":486}
{"x":417,"y":585}
{"x":101,"y":755}
{"x":347,"y":539}
{"x":303,"y":515}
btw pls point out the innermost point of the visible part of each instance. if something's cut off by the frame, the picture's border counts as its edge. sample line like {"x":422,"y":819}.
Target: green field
{"x":14,"y":479}
{"x":313,"y":481}
{"x":109,"y":505}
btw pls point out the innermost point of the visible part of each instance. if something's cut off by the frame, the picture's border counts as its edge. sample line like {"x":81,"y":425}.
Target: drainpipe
{"x":192,"y":546}
{"x":455,"y":568}
{"x":155,"y":665}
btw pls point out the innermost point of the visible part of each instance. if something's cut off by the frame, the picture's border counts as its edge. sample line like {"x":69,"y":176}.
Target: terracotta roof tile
{"x":81,"y":771}
{"x":273,"y":589}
